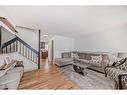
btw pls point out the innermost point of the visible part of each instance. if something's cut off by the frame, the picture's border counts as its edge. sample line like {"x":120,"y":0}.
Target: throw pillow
{"x":96,"y":60}
{"x":6,"y":68}
{"x":123,"y":66}
{"x":9,"y":65}
{"x":19,"y":64}
{"x":74,"y":56}
{"x":2,"y":66}
{"x":118,"y":62}
{"x":7,"y":60}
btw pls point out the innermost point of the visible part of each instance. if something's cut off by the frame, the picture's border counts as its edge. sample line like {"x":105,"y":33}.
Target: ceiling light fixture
{"x":45,"y":35}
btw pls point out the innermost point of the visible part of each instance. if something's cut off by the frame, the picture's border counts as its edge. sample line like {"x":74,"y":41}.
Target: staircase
{"x":18,"y":45}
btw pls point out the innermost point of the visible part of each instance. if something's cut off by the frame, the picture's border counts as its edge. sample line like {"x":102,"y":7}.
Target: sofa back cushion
{"x":66,"y":55}
{"x":87,"y":56}
{"x":96,"y":60}
{"x":2,"y":57}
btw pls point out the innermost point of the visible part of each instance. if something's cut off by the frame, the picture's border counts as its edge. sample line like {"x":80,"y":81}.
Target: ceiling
{"x":72,"y":21}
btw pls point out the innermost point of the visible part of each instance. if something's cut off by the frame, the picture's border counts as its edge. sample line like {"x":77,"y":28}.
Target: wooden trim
{"x":8,"y":24}
{"x":39,"y":34}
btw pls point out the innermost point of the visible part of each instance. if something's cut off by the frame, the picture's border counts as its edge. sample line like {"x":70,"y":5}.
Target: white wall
{"x":50,"y":49}
{"x":61,"y":44}
{"x":111,"y":40}
{"x":6,"y":35}
{"x":30,"y":37}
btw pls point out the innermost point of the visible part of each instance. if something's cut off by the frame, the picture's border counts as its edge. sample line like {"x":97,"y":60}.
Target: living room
{"x":86,"y":47}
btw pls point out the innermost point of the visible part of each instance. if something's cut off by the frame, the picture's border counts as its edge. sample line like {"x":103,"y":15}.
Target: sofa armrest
{"x":105,"y":63}
{"x":120,"y":80}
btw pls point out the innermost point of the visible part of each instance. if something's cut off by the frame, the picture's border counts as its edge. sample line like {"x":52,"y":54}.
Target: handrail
{"x":27,"y":45}
{"x":20,"y":40}
{"x":18,"y":45}
{"x":9,"y":42}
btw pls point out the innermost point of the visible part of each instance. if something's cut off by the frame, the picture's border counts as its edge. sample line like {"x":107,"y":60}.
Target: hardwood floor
{"x":48,"y":77}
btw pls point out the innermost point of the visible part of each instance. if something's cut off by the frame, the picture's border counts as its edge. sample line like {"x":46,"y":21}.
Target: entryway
{"x":46,"y":49}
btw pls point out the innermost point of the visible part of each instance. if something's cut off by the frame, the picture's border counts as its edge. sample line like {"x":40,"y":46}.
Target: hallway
{"x":48,"y":77}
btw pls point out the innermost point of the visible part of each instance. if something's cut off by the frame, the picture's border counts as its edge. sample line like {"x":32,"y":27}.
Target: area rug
{"x":90,"y":80}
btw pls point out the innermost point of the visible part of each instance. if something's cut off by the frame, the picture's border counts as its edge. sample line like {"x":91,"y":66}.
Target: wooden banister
{"x":18,"y":45}
{"x":9,"y":42}
{"x":27,"y":45}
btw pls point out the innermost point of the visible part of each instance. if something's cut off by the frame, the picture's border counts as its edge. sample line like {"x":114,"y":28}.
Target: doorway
{"x":44,"y":50}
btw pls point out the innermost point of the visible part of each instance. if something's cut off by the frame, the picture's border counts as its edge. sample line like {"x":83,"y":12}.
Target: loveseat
{"x":10,"y":77}
{"x":118,"y":72}
{"x":99,"y":64}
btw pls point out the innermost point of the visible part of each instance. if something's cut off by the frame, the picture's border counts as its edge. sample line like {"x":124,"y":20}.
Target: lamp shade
{"x":122,"y":55}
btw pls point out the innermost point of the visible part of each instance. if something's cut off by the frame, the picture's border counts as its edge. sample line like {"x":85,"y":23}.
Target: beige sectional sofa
{"x":85,"y":58}
{"x":65,"y":59}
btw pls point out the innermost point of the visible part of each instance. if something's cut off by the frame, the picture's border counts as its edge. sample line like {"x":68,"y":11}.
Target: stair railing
{"x":18,"y":45}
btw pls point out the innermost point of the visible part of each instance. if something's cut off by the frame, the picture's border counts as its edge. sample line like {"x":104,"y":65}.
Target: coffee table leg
{"x":78,"y":69}
{"x":81,"y":73}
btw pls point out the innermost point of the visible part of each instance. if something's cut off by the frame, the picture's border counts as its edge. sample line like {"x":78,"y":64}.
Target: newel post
{"x":39,"y":48}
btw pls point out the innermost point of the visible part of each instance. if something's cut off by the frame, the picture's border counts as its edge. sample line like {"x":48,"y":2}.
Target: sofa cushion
{"x":15,"y":70}
{"x":83,"y":61}
{"x":10,"y":81}
{"x":9,"y":78}
{"x":11,"y":85}
{"x":3,"y":72}
{"x":63,"y":61}
{"x":96,"y":60}
{"x":66,"y":55}
{"x":114,"y":73}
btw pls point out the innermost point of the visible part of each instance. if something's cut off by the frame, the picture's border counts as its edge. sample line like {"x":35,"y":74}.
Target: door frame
{"x":52,"y":50}
{"x":39,"y":36}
